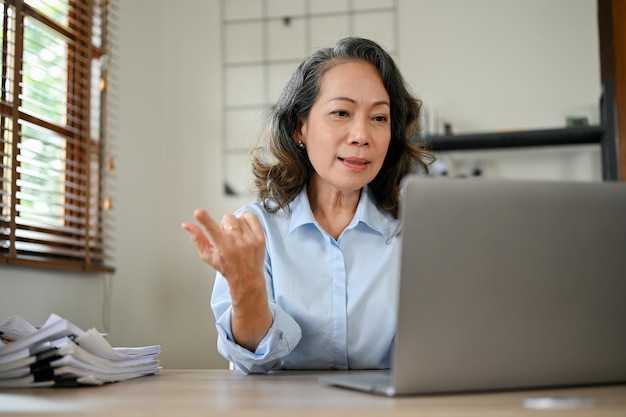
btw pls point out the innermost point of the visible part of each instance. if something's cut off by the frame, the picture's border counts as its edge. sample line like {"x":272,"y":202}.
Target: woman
{"x":307,"y":276}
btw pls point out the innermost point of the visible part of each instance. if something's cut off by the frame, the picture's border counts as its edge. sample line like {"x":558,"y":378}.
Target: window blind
{"x":54,"y":160}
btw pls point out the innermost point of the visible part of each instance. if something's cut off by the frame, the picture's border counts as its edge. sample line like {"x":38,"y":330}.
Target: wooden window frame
{"x":612,"y":31}
{"x":77,"y":240}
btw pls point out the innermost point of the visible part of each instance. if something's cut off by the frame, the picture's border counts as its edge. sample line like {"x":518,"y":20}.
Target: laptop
{"x":506,"y":285}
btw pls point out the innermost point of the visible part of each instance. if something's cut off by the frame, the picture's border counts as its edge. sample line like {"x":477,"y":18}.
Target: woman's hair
{"x":281,"y":169}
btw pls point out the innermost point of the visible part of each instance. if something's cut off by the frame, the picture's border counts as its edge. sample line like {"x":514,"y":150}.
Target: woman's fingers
{"x":250,"y":222}
{"x":235,"y":248}
{"x":210,"y":245}
{"x":203,"y":245}
{"x":211,"y":227}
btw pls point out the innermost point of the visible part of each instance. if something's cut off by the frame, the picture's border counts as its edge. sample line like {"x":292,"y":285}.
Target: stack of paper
{"x":61,"y":354}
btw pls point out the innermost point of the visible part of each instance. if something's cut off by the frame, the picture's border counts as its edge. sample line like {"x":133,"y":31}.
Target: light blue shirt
{"x":333,"y":301}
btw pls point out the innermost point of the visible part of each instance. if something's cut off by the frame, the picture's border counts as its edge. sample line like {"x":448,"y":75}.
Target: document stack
{"x":61,"y":354}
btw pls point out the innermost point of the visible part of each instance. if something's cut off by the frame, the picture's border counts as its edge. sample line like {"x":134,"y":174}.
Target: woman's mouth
{"x":355,"y":164}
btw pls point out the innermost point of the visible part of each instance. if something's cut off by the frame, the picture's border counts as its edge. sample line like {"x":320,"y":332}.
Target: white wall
{"x":502,"y":64}
{"x":491,"y":65}
{"x":481,"y":64}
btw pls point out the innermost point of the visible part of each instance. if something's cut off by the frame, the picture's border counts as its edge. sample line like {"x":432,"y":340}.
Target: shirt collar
{"x":367,"y":213}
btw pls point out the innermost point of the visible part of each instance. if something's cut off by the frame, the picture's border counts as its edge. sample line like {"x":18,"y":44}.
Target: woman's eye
{"x":380,"y":118}
{"x":341,"y":113}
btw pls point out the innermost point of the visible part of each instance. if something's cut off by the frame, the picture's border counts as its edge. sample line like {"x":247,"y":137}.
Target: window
{"x":53,"y":159}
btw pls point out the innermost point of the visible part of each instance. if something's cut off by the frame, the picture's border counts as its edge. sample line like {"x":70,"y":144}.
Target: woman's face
{"x":348,"y":130}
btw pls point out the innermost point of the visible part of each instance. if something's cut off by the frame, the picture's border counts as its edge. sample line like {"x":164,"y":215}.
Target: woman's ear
{"x":297,"y":134}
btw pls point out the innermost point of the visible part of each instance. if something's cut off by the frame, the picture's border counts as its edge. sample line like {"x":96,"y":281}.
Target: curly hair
{"x":281,"y":170}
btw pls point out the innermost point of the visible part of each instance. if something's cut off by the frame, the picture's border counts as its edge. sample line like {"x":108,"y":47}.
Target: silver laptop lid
{"x":511,"y":284}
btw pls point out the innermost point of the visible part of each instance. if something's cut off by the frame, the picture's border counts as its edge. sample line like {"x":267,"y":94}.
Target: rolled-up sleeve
{"x":282,"y":337}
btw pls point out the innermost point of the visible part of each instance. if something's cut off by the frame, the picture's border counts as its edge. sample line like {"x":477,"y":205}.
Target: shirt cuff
{"x":282,"y":337}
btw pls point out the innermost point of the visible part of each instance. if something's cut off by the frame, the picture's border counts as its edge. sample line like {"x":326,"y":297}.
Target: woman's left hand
{"x":236,"y":248}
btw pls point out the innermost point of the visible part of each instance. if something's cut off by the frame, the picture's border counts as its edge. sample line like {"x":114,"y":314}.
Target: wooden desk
{"x":295,"y":394}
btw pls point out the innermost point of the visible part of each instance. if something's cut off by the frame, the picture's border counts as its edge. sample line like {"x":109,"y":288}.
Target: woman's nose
{"x":359,"y":135}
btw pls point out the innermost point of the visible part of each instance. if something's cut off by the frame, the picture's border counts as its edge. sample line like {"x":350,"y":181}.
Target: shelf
{"x":517,"y":139}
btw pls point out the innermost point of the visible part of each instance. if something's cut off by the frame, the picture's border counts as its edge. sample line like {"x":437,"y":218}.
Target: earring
{"x":301,"y":144}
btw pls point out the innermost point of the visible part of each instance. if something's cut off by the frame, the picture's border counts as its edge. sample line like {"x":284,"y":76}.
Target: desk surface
{"x":223,"y":392}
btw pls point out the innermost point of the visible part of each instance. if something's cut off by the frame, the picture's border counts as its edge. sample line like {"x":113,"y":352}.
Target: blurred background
{"x":192,"y":78}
